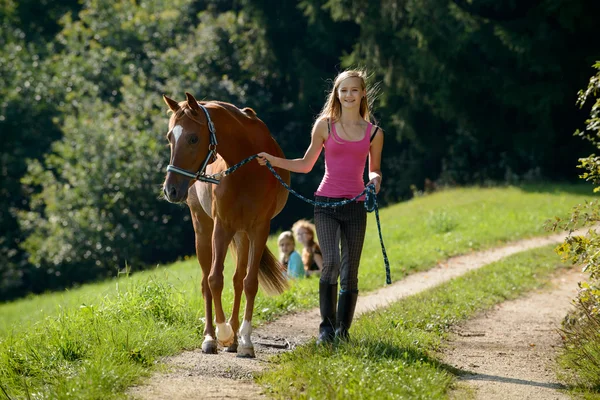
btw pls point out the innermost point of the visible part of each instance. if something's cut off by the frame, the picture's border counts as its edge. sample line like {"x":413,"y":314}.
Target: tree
{"x":28,"y":112}
{"x":98,"y":207}
{"x":477,"y":90}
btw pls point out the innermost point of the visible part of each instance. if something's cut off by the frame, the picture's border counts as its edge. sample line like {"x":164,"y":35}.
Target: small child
{"x":289,"y":257}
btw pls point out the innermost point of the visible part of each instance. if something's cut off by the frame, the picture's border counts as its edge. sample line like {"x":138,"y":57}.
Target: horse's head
{"x":193,"y":145}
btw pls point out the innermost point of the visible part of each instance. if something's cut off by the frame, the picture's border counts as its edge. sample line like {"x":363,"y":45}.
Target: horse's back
{"x":250,"y":192}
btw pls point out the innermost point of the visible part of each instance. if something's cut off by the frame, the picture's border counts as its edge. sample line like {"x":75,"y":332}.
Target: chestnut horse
{"x":209,"y":137}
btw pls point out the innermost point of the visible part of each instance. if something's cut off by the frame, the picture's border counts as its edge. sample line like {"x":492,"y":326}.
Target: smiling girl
{"x":344,"y":130}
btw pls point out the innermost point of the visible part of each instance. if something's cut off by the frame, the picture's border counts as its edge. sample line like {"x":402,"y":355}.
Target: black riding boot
{"x":327,"y":302}
{"x":345,"y":313}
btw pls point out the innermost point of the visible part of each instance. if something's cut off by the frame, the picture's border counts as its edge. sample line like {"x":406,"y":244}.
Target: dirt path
{"x":193,"y":375}
{"x":509,"y":351}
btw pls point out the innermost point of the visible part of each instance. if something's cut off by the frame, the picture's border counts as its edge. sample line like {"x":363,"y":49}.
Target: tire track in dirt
{"x":194,"y":375}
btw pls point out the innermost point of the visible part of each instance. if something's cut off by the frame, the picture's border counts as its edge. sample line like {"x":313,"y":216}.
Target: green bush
{"x":99,"y":207}
{"x":581,"y":354}
{"x":94,"y":198}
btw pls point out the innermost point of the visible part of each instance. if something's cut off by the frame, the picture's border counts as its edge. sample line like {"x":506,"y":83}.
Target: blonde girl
{"x":311,"y":254}
{"x":344,"y":130}
{"x":288,"y":255}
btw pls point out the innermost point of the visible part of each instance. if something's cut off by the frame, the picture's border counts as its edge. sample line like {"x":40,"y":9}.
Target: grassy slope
{"x":107,"y":334}
{"x":417,"y":234}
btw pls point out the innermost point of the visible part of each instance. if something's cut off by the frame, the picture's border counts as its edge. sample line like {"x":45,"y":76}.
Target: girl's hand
{"x":377,"y":182}
{"x":264,"y":157}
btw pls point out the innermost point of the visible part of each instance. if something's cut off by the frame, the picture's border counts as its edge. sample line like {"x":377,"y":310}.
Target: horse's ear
{"x":173,"y":105}
{"x":192,"y":101}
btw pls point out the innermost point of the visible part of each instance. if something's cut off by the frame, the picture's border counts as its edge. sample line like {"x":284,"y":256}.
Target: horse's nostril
{"x":172,"y":192}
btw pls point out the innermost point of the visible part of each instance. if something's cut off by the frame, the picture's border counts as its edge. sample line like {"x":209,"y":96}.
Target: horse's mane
{"x":184,"y":108}
{"x":249,"y":112}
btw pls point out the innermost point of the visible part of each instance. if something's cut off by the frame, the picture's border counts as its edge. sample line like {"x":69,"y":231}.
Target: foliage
{"x":100,"y":205}
{"x":479,"y":96}
{"x":28,"y":108}
{"x":580,"y":328}
{"x":474,"y":90}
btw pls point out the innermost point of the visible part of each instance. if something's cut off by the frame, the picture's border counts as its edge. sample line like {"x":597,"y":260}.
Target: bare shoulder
{"x":377,"y":133}
{"x":321,"y":129}
{"x":377,"y":137}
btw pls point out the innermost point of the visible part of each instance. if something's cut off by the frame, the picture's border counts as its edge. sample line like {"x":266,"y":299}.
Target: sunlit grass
{"x":393,"y":352}
{"x":98,"y":339}
{"x":416,"y":233}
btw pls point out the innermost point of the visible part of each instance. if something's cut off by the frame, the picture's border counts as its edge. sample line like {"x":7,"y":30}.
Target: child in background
{"x":311,"y":254}
{"x":289,"y":257}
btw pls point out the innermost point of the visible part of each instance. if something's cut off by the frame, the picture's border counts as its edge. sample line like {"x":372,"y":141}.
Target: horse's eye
{"x":193,"y":139}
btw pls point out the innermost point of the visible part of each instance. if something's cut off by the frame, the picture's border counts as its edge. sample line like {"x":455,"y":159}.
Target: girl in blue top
{"x":289,"y":257}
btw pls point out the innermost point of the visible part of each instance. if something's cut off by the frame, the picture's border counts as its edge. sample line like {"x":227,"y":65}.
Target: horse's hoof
{"x":246,"y":352}
{"x":233,"y":348}
{"x":209,"y":347}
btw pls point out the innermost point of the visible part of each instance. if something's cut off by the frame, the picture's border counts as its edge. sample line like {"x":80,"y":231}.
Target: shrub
{"x":581,"y":328}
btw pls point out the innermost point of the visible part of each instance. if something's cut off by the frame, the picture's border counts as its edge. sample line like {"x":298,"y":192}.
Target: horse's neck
{"x":234,"y":144}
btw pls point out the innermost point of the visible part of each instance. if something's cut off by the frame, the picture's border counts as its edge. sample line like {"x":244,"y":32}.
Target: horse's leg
{"x":203,"y":250}
{"x":203,"y":226}
{"x":220,"y":240}
{"x":241,"y":248}
{"x":258,"y":240}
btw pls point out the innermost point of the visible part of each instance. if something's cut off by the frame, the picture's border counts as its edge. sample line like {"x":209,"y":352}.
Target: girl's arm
{"x":306,"y":163}
{"x":375,"y":160}
{"x":319,"y":260}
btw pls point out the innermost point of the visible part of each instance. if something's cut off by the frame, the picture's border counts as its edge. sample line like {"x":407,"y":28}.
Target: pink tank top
{"x":344,"y":165}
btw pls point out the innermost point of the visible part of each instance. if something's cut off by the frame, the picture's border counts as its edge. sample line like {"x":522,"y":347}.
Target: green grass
{"x":392,"y":353}
{"x":95,"y":340}
{"x":580,"y":354}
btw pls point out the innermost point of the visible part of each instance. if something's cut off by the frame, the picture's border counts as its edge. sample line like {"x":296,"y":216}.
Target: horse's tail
{"x":271,"y":275}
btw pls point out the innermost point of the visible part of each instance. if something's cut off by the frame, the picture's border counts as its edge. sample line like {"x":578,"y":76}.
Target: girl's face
{"x":304,"y":236}
{"x":350,"y":92}
{"x":286,"y":246}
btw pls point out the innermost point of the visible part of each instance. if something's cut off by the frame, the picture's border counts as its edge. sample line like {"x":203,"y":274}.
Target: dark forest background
{"x":471,"y":92}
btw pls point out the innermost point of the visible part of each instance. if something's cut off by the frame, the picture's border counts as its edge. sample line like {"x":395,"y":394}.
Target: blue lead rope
{"x":370,"y":203}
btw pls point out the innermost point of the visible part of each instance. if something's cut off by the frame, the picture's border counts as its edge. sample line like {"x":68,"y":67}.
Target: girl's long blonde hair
{"x":308,"y":252}
{"x":332,"y":109}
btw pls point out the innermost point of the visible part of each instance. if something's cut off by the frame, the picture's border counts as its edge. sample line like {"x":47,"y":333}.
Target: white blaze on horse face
{"x":177,"y":131}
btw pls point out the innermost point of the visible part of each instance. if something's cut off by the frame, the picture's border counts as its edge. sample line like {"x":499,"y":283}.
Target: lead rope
{"x":370,"y":203}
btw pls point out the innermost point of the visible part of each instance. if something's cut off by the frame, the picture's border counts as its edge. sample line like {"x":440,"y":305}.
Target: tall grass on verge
{"x":94,"y":351}
{"x":580,"y":357}
{"x":393,"y":352}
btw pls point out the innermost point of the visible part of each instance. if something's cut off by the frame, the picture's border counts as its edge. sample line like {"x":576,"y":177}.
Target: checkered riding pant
{"x":341,"y":233}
